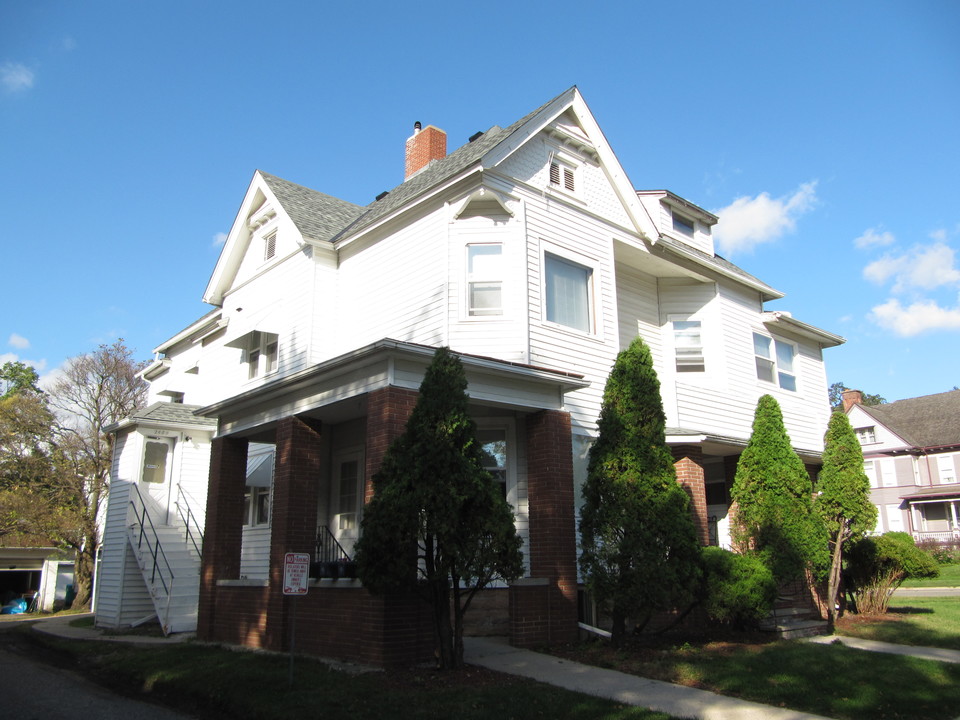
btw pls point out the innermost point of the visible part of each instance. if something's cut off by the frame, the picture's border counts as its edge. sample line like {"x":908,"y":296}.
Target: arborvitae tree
{"x":774,"y":498}
{"x":843,"y":498}
{"x":639,"y":546}
{"x":438,"y":522}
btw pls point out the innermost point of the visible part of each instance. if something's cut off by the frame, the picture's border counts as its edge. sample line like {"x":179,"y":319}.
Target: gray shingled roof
{"x":924,"y":422}
{"x":173,"y":413}
{"x":439,"y":171}
{"x":322,"y":217}
{"x":317,"y":216}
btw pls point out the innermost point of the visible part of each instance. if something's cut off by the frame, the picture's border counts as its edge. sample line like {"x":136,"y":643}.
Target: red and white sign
{"x":296,"y":573}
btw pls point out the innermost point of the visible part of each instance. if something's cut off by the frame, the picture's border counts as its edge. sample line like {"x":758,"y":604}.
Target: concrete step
{"x":789,"y":629}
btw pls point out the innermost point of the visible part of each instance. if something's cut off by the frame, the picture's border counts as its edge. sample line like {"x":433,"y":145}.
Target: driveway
{"x":33,"y":689}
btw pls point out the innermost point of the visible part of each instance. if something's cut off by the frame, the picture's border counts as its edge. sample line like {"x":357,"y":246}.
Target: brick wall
{"x":224,"y":526}
{"x":424,"y":146}
{"x":388,"y":410}
{"x":293,"y":517}
{"x":689,"y":468}
{"x":553,"y":544}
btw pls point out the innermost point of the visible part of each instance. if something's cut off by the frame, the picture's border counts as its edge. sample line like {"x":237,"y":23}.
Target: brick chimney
{"x":423,"y":147}
{"x":851,"y":398}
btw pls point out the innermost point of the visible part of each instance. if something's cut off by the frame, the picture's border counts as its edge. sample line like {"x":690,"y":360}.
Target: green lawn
{"x":849,"y":684}
{"x":213,"y":682}
{"x":929,"y":621}
{"x":949,"y":577}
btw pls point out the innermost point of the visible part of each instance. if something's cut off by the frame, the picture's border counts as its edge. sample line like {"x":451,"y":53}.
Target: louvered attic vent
{"x":556,"y":171}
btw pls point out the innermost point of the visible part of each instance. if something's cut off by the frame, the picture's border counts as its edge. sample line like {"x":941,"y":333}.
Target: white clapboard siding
{"x":255,"y":552}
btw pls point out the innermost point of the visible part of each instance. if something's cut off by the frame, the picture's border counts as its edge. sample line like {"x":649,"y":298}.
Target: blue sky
{"x":825,"y":136}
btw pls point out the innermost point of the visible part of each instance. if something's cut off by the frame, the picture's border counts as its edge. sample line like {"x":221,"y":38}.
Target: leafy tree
{"x":773,"y":494}
{"x":26,"y":430}
{"x":17,"y":377}
{"x":639,"y":546}
{"x":836,"y":397}
{"x":843,"y":498}
{"x":876,"y":565}
{"x":438,"y":522}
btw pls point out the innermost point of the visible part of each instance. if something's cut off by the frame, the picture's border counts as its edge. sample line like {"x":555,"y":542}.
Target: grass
{"x":925,"y":621}
{"x":830,"y":680}
{"x":949,"y":577}
{"x":214,"y":682}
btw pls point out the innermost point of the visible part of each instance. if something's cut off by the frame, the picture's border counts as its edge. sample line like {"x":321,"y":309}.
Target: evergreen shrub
{"x":739,"y":590}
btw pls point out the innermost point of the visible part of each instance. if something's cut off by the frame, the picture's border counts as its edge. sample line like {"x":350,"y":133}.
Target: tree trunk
{"x":619,"y":628}
{"x":833,"y":583}
{"x":83,"y":577}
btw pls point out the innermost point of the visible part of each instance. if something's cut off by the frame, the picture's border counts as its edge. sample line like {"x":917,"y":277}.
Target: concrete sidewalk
{"x":926,"y":653}
{"x":60,"y":626}
{"x":677,"y":700}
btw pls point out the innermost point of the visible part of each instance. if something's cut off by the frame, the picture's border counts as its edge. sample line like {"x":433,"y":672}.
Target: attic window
{"x":683,"y":225}
{"x":562,"y":175}
{"x":270,"y":246}
{"x":866,"y":435}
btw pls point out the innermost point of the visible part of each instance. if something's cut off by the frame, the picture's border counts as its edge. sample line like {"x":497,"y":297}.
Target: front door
{"x":347,"y":498}
{"x":155,"y":476}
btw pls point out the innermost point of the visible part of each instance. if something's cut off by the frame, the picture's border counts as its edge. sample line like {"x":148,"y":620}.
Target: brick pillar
{"x":689,"y":467}
{"x":388,"y":410}
{"x":224,"y":526}
{"x":553,"y":542}
{"x":293,"y":515}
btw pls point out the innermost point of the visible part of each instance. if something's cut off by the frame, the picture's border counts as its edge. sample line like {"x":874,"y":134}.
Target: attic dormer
{"x":679,"y":219}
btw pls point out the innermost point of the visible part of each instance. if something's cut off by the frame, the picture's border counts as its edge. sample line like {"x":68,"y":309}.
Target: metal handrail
{"x":328,"y":547}
{"x":189,"y":520}
{"x":156,"y":550}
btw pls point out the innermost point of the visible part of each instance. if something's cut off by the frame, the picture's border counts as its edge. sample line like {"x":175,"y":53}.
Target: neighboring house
{"x":530,"y":254}
{"x":911,"y":453}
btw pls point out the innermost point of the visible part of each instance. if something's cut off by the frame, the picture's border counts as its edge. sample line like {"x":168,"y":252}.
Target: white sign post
{"x":296,"y":575}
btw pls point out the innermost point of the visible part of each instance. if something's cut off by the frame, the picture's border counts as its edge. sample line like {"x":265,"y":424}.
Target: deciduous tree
{"x":438,"y":522}
{"x":773,"y":493}
{"x":843,"y":498}
{"x":639,"y":547}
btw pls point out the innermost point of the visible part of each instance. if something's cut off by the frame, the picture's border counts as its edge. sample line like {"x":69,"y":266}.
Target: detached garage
{"x":44,"y":571}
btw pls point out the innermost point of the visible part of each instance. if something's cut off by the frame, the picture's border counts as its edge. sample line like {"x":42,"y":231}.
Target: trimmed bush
{"x":739,"y":590}
{"x":876,"y":565}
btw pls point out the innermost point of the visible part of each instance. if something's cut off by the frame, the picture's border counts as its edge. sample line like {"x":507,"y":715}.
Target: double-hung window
{"x":775,"y":361}
{"x":484,"y":279}
{"x":568,"y":288}
{"x":947,"y":469}
{"x":262,"y":355}
{"x":688,"y":346}
{"x":866,"y":435}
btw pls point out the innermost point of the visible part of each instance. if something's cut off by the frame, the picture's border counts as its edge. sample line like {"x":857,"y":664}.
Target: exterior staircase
{"x":794,"y":615}
{"x":169,"y":559}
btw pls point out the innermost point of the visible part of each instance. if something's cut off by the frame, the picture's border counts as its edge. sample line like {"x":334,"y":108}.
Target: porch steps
{"x":795,"y":616}
{"x":174,"y":580}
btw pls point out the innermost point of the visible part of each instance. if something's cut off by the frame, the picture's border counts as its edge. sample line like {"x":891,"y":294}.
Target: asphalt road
{"x":34,"y":690}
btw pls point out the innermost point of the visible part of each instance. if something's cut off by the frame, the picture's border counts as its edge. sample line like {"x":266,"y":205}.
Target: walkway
{"x":677,"y":700}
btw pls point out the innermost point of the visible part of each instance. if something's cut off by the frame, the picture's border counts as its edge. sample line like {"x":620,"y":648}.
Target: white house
{"x":530,"y":254}
{"x":911,"y":453}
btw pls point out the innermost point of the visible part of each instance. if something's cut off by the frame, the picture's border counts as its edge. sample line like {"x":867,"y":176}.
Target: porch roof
{"x":330,"y":389}
{"x":944,"y":492}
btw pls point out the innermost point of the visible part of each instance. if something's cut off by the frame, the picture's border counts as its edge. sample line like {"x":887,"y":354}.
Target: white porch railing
{"x":941,"y":536}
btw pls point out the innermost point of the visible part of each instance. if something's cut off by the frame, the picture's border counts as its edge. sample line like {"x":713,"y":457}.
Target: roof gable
{"x":313,"y":216}
{"x":929,"y":421}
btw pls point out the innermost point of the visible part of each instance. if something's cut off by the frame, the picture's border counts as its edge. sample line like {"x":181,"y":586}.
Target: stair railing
{"x":189,"y":520}
{"x":328,"y":547}
{"x":147,"y":533}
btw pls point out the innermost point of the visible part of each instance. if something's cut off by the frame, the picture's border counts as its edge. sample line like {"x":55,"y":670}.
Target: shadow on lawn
{"x":907,"y":610}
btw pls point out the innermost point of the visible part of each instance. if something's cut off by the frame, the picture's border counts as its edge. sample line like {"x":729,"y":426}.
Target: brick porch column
{"x":689,"y":467}
{"x":553,"y":540}
{"x":293,"y":515}
{"x":388,"y":410}
{"x":224,"y":526}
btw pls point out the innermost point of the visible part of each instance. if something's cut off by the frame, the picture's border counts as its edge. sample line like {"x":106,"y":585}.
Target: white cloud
{"x":18,"y":341}
{"x":219,"y":239}
{"x":872,"y":238}
{"x":919,"y":317}
{"x":924,"y":267}
{"x":15,"y":77}
{"x":748,"y":222}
